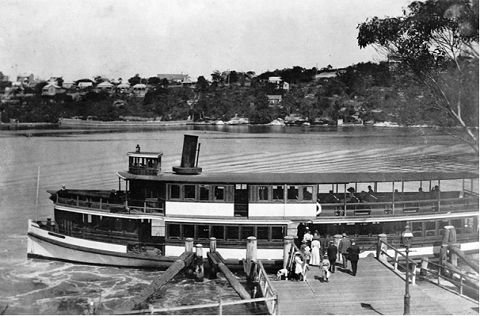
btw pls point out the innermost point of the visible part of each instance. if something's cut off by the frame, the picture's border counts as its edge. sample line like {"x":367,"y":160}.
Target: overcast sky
{"x":118,"y":38}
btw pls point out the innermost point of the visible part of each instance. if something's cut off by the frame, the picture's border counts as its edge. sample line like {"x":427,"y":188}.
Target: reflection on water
{"x":90,"y":159}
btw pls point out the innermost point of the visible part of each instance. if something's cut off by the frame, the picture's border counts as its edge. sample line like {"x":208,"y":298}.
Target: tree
{"x":154,"y":81}
{"x":135,"y":80}
{"x":202,"y":84}
{"x":436,"y":44}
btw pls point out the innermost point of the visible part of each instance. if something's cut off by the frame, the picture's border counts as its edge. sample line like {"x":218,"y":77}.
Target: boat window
{"x":469,"y":225}
{"x":429,"y":228}
{"x":292,"y":192}
{"x":219,"y":193}
{"x":262,"y":232}
{"x":188,"y":231}
{"x":307,"y":193}
{"x":457,"y":223}
{"x":240,"y":186}
{"x":247,"y":231}
{"x":174,"y":231}
{"x":204,"y":192}
{"x":277,"y":233}
{"x":203,"y":232}
{"x":417,"y":229}
{"x":232,"y":232}
{"x":218,"y":232}
{"x":189,"y":191}
{"x":174,"y":191}
{"x":278,"y":192}
{"x":263,"y":193}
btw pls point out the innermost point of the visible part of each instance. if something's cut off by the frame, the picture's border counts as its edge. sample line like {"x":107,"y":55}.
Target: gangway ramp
{"x":375,"y":290}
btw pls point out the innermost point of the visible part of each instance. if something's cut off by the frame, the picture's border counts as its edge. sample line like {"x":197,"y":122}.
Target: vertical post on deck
{"x":251,"y":256}
{"x":199,"y":270}
{"x":213,"y":244}
{"x":189,"y":245}
{"x":381,"y":247}
{"x":212,"y":266}
{"x":287,"y":246}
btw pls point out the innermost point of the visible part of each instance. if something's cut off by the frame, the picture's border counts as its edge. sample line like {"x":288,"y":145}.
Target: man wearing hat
{"x":332,"y":255}
{"x":353,"y":253}
{"x":343,"y":247}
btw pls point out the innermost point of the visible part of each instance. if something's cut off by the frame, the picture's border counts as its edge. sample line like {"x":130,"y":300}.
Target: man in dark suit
{"x":332,"y":255}
{"x":353,"y":254}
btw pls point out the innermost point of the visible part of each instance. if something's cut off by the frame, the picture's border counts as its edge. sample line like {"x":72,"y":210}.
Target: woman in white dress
{"x":315,"y":253}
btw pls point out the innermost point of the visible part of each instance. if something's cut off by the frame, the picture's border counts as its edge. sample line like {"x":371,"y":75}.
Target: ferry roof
{"x":144,"y":154}
{"x":301,"y":178}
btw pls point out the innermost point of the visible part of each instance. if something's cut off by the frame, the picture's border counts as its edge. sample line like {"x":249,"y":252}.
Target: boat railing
{"x":154,"y":206}
{"x":399,"y":207}
{"x":88,"y":202}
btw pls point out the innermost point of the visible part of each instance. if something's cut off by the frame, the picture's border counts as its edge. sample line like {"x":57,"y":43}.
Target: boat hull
{"x":59,"y":247}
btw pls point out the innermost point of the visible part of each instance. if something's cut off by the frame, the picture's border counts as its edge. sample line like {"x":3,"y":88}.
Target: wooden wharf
{"x":375,"y":290}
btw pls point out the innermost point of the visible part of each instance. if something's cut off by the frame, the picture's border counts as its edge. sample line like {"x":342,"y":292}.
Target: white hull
{"x":65,"y":248}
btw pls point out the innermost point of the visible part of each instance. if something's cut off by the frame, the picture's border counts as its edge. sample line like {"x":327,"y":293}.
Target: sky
{"x":119,"y":38}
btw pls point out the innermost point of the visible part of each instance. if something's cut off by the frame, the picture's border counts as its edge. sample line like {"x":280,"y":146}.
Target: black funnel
{"x":189,"y":154}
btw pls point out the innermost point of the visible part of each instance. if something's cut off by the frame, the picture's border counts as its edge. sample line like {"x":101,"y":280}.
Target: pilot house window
{"x":204,"y":192}
{"x":175,"y":191}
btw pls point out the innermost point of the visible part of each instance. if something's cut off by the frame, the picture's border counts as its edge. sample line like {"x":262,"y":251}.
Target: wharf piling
{"x":216,"y":259}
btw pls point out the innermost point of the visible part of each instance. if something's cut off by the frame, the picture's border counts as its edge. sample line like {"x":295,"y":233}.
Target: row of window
{"x":203,"y":192}
{"x":463,"y":226}
{"x":221,"y":232}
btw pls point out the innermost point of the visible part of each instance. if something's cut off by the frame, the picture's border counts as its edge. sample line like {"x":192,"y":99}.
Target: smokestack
{"x":189,"y":154}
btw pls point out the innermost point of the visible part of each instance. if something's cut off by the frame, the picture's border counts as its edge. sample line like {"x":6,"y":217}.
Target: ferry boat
{"x":145,"y":222}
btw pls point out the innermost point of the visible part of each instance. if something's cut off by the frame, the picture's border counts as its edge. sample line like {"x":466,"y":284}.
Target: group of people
{"x":325,"y":258}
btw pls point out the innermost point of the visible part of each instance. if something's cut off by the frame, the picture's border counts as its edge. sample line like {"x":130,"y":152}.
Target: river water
{"x":34,"y":161}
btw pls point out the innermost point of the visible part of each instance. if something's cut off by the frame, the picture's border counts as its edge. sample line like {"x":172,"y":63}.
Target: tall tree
{"x":436,"y":44}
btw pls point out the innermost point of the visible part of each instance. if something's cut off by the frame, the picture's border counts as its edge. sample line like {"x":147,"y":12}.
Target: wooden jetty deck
{"x":375,"y":290}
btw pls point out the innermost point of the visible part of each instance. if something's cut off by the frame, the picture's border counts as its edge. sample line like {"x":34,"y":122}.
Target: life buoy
{"x":319,"y":208}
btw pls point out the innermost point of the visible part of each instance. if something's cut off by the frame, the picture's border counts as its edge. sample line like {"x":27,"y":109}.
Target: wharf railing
{"x":461,"y":282}
{"x":269,"y":295}
{"x":219,"y":306}
{"x":399,"y":259}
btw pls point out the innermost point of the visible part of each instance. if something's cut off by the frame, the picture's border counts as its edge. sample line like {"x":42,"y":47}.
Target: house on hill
{"x":52,"y":89}
{"x":3,"y":77}
{"x":274,"y":100}
{"x":106,"y":86}
{"x":174,"y":78}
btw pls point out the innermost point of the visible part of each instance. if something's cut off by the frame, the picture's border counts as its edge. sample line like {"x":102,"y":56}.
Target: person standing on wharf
{"x":342,"y":248}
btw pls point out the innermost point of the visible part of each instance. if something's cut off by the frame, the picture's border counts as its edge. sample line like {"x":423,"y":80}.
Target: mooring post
{"x":251,"y":256}
{"x":444,"y":249}
{"x":189,"y":245}
{"x":212,"y":267}
{"x":213,"y":244}
{"x":199,"y":270}
{"x":287,"y":247}
{"x":381,"y":247}
{"x":452,"y":240}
